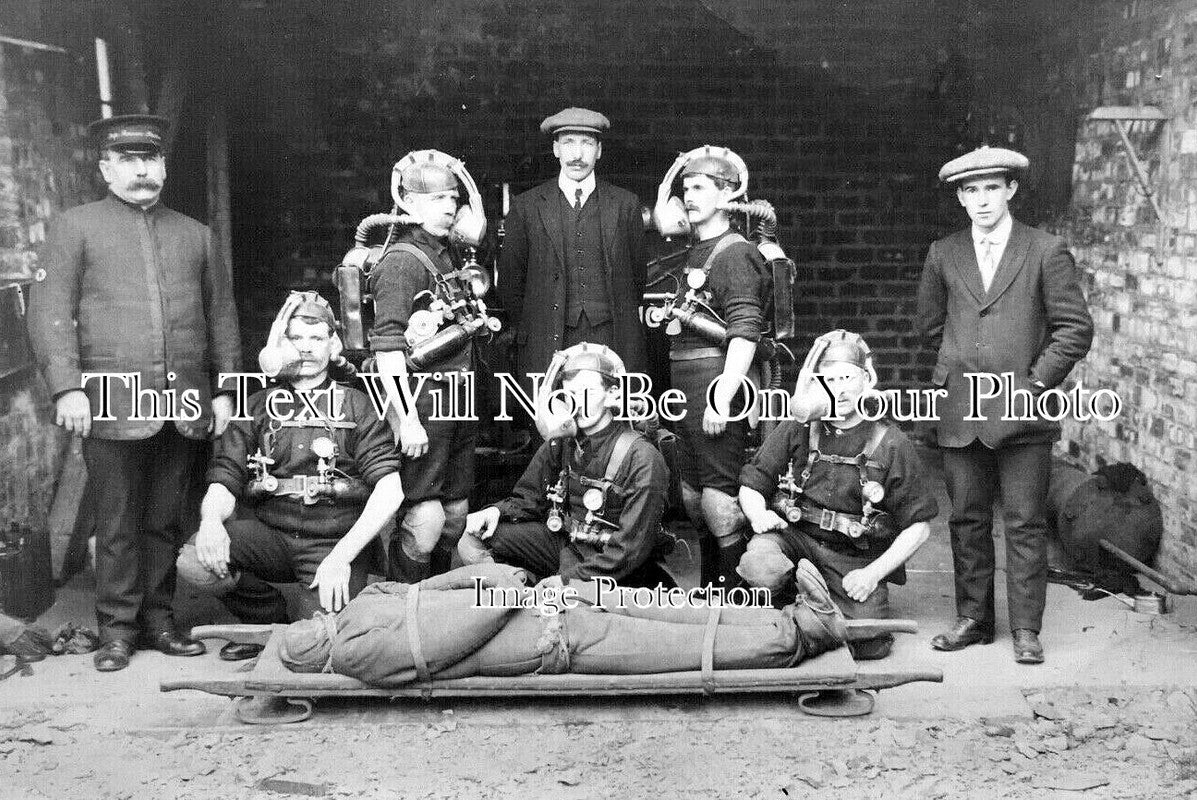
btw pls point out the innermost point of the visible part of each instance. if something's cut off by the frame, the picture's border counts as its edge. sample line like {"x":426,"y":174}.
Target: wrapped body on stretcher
{"x":393,"y":634}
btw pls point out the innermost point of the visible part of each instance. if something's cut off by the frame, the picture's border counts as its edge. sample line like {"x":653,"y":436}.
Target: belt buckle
{"x":309,"y":490}
{"x":827,"y":520}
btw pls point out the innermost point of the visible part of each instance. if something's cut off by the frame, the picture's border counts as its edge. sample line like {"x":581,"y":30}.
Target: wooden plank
{"x":242,"y":633}
{"x":64,"y":510}
{"x":1126,"y":113}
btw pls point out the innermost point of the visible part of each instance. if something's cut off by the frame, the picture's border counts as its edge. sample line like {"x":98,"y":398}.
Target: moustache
{"x":145,"y":185}
{"x":578,"y":164}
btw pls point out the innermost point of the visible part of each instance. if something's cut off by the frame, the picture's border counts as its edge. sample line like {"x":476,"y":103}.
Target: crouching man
{"x":838,"y":490}
{"x":590,"y":502}
{"x":316,"y":467}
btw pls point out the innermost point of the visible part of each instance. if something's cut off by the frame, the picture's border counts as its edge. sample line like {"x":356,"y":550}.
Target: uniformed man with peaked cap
{"x":130,"y":286}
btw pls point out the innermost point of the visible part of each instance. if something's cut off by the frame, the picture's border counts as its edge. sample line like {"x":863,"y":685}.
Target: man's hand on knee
{"x":482,"y":524}
{"x":860,"y":583}
{"x":767,"y":521}
{"x":212,"y":547}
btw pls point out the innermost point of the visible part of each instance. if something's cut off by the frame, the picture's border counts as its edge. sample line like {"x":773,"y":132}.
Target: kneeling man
{"x":317,"y":468}
{"x":590,"y":502}
{"x":849,"y":491}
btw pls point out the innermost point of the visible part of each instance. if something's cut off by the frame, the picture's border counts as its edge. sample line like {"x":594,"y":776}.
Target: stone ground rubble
{"x":1116,"y":743}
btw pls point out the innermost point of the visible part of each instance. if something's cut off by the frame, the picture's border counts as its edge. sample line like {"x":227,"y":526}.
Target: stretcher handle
{"x":1146,"y":571}
{"x":861,"y":629}
{"x":240,"y":633}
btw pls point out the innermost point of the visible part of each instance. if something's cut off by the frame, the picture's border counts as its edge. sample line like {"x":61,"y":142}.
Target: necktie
{"x":578,"y":198}
{"x":988,"y":268}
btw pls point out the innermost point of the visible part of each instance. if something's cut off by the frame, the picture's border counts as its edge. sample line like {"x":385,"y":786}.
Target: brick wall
{"x":317,"y":125}
{"x":1142,"y":272}
{"x":45,"y":166}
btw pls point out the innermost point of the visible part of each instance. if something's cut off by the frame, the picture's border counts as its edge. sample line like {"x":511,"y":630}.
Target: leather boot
{"x":820,"y":622}
{"x":441,"y":558}
{"x":708,"y":554}
{"x":405,"y":569}
{"x":727,"y":558}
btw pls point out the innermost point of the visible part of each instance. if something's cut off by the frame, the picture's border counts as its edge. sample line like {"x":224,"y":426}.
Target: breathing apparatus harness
{"x":329,"y":485}
{"x":557,"y":425}
{"x":810,"y":405}
{"x":595,"y":528}
{"x":689,"y":305}
{"x":456,"y":311}
{"x":793,"y":504}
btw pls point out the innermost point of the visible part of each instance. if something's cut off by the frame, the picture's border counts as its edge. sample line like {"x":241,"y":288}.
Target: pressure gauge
{"x":324,"y":447}
{"x":593,"y":499}
{"x":696,"y":279}
{"x":872,"y":491}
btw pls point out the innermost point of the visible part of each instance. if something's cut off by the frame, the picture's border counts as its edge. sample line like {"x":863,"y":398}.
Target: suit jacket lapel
{"x":550,"y":216}
{"x":1013,"y":259}
{"x":608,"y":217}
{"x":966,"y":262}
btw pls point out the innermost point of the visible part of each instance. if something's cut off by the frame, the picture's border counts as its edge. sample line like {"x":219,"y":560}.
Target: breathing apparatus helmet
{"x":555,"y":416}
{"x":428,"y":171}
{"x":279,"y":357}
{"x":810,"y":401}
{"x":669,"y":214}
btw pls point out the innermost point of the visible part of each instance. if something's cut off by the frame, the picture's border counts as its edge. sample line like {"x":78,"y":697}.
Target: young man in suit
{"x":572,"y":266}
{"x":1000,"y":297}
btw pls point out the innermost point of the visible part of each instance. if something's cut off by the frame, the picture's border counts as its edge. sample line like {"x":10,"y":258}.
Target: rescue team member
{"x":572,"y":265}
{"x":998,"y":297}
{"x":456,"y":636}
{"x":123,"y":264}
{"x":848,"y":491}
{"x":319,"y":488}
{"x":736,"y":285}
{"x":438,"y":455}
{"x":590,"y":502}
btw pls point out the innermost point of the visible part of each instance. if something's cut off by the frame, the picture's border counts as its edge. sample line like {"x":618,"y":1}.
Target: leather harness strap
{"x":708,"y":649}
{"x":412,"y":623}
{"x":619,"y":453}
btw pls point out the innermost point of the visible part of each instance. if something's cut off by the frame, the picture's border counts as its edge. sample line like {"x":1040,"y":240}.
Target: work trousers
{"x":264,"y":555}
{"x":143,"y":491}
{"x":1018,"y":474}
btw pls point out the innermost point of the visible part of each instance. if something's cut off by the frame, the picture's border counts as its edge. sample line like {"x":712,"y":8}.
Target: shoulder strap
{"x":720,"y":246}
{"x":875,"y":439}
{"x":619,"y":453}
{"x":420,"y":255}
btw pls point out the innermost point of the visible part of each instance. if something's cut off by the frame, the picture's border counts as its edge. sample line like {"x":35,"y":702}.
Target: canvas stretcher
{"x":294,"y":694}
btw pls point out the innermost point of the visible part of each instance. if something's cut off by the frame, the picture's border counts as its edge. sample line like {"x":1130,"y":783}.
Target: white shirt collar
{"x":999,"y":235}
{"x":569,"y":187}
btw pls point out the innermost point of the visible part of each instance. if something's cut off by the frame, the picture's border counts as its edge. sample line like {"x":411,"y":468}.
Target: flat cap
{"x":130,"y":131}
{"x":576,"y":119}
{"x":983,"y":160}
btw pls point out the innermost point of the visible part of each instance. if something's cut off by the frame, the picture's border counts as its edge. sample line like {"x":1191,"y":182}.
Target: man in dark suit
{"x":130,"y":286}
{"x":572,"y":266}
{"x":998,"y":298}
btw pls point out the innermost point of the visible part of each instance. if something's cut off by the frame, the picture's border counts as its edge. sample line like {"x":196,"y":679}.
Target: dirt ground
{"x":1087,"y":743}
